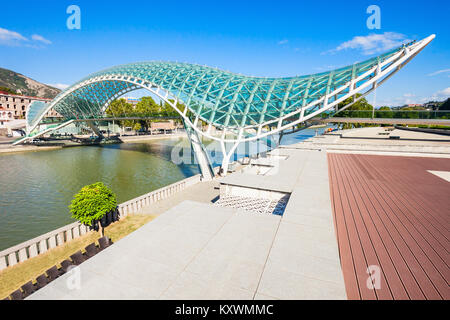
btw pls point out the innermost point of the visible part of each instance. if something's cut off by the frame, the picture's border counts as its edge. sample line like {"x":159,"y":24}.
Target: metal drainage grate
{"x":258,"y":205}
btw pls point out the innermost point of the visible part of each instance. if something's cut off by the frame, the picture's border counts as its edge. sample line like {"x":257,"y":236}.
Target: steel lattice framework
{"x":243,"y":108}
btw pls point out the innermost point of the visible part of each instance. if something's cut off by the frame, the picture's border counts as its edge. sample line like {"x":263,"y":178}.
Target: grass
{"x":14,"y":277}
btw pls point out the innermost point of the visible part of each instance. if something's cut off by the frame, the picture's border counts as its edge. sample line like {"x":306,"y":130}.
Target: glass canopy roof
{"x":219,"y":98}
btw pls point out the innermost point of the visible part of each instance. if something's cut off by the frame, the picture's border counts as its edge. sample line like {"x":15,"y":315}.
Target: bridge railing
{"x":392,"y":114}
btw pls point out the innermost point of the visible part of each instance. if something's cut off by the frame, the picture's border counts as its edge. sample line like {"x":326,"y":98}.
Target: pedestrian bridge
{"x":242,"y":108}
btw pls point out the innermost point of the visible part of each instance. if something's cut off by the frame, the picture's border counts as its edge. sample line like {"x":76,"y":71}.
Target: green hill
{"x":25,"y":86}
{"x":445,"y":106}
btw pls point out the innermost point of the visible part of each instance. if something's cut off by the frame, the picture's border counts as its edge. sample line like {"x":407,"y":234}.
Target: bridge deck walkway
{"x":405,"y":121}
{"x":391,"y":212}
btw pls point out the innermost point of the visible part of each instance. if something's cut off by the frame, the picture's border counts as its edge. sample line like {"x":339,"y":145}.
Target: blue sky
{"x":259,"y":38}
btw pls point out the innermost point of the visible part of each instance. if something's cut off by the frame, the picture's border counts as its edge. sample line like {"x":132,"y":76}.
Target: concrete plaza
{"x":197,"y":250}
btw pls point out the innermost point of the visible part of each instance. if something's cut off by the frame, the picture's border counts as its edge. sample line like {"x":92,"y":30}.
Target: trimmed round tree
{"x":92,"y":203}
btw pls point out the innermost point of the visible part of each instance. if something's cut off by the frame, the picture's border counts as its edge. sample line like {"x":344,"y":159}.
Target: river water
{"x":37,"y":187}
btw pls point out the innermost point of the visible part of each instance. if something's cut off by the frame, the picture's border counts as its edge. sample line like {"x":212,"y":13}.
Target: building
{"x":163,"y":126}
{"x":131,"y":100}
{"x":5,"y":116}
{"x":17,"y":106}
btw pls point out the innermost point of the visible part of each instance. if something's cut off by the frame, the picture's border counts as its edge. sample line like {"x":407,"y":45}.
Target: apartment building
{"x":17,"y":105}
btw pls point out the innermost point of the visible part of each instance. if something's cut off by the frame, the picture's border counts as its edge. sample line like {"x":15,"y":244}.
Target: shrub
{"x":92,"y":203}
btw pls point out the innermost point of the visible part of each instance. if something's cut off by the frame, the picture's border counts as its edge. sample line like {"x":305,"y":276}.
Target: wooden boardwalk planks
{"x":392,"y":213}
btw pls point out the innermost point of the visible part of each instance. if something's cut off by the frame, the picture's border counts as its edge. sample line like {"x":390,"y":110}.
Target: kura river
{"x":37,"y":187}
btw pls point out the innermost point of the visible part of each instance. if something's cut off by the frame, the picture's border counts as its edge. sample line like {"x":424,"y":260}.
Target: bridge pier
{"x":94,"y":128}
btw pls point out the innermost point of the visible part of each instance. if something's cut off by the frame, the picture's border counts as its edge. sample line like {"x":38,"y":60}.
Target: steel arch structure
{"x":243,"y":108}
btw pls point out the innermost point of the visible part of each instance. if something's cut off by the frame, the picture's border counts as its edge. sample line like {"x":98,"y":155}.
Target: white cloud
{"x":438,"y":72}
{"x":11,"y":38}
{"x":408,"y":98}
{"x":373,"y":43}
{"x":61,"y":86}
{"x":443,"y":94}
{"x":283,"y":41}
{"x":40,"y":38}
{"x":14,"y":39}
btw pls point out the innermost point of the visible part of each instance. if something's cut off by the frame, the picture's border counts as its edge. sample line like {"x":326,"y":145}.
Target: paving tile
{"x":287,"y":258}
{"x":152,"y":278}
{"x":291,"y":286}
{"x":192,"y":286}
{"x":260,"y":296}
{"x":314,"y":241}
{"x":235,"y":270}
{"x":207,"y":219}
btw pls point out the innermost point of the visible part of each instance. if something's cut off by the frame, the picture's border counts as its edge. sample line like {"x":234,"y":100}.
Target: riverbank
{"x":7,"y":148}
{"x":142,"y":138}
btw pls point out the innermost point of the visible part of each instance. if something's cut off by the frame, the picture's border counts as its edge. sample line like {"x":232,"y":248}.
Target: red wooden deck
{"x":392,"y":213}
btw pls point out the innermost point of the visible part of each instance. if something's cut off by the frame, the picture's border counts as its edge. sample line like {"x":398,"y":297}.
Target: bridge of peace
{"x":339,"y":216}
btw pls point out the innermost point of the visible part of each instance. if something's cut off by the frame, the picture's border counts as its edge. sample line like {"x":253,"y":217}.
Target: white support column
{"x":227,"y":155}
{"x":94,"y":128}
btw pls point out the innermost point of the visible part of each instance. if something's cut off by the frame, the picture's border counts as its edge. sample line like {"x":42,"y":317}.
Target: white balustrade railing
{"x":52,"y":239}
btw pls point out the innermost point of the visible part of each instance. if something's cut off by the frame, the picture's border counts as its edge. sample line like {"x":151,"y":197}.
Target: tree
{"x":147,"y":107}
{"x":121,"y":108}
{"x":360,"y":105}
{"x":384,"y":112}
{"x":168,"y":111}
{"x":7,"y":90}
{"x":360,"y":109}
{"x":411,"y":114}
{"x":92,"y":203}
{"x":137,"y":127}
{"x":445,"y":106}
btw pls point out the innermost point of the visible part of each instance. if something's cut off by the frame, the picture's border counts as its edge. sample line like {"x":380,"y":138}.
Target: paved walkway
{"x":304,"y":260}
{"x":204,"y":192}
{"x":283,"y":177}
{"x":192,"y":251}
{"x":392,"y":215}
{"x":375,"y":141}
